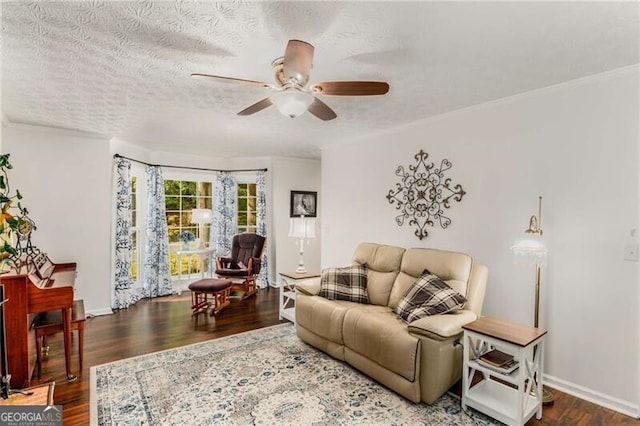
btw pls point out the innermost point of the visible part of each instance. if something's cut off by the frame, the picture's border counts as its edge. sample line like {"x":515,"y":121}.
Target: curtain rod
{"x":186,"y":167}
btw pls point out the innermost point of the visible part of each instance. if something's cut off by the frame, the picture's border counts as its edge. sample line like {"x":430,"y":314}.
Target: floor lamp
{"x":302,"y":228}
{"x":201,"y":216}
{"x":531,"y":250}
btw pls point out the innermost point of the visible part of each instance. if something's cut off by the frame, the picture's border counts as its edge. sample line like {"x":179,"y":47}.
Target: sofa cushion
{"x":429,"y":295}
{"x":383,"y":264}
{"x":348,"y":283}
{"x":323,"y":317}
{"x":383,"y":338}
{"x":452,"y":267}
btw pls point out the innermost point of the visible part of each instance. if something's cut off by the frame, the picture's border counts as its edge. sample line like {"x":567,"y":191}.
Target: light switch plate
{"x":631,"y":252}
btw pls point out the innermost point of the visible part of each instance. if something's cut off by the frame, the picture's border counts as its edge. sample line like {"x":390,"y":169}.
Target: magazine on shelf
{"x":496,"y":357}
{"x":507,"y":368}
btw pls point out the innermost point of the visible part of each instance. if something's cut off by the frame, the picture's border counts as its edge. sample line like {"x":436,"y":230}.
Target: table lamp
{"x":302,"y":228}
{"x":201,"y":216}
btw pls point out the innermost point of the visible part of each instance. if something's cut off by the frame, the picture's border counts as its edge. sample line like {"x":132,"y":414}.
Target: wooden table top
{"x":518,"y":334}
{"x":299,"y":275}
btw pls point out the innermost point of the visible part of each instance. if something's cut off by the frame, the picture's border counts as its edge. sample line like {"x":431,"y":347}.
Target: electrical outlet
{"x":631,"y":252}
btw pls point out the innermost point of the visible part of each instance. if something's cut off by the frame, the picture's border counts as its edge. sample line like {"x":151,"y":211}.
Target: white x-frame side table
{"x":512,"y":405}
{"x":288,"y":292}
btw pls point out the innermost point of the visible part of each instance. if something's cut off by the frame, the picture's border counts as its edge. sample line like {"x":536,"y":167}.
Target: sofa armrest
{"x":310,"y":286}
{"x":442,"y":326}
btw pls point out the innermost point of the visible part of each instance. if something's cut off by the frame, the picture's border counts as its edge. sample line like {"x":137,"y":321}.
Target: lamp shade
{"x":530,"y":250}
{"x":292,"y":102}
{"x":301,"y":227}
{"x":201,"y":216}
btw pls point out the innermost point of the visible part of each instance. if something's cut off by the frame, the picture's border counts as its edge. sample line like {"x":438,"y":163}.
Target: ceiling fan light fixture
{"x":292,"y":102}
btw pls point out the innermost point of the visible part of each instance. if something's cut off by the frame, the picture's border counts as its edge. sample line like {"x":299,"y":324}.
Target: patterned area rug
{"x":262,"y":377}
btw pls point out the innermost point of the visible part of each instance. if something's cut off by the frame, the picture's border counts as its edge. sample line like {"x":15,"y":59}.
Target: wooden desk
{"x":42,"y":395}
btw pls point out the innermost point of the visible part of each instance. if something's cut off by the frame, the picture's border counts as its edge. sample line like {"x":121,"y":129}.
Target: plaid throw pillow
{"x":429,"y":295}
{"x":348,"y":283}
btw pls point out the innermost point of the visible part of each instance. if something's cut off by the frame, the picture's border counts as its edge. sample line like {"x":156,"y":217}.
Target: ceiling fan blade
{"x":298,"y":60}
{"x":350,"y":88}
{"x":229,"y":80}
{"x":321,"y":110}
{"x":258,"y":106}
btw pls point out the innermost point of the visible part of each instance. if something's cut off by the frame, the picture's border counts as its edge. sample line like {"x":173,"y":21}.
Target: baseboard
{"x":590,"y":395}
{"x":98,"y":312}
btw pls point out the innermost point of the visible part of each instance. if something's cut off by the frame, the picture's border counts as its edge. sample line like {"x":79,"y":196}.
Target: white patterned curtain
{"x":261,"y":224}
{"x":124,"y":293}
{"x":157,"y":275}
{"x":225,"y":212}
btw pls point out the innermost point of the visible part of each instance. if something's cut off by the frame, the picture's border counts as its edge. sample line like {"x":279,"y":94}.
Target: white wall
{"x":574,"y":144}
{"x":65,"y":178}
{"x":300,"y":175}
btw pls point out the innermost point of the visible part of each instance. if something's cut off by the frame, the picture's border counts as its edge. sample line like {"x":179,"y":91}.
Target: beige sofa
{"x":421,"y":360}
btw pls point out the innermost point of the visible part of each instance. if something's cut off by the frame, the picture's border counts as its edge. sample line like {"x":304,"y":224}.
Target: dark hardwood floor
{"x":166,"y":323}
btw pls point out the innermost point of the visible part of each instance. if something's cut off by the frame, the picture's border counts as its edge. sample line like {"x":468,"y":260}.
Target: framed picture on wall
{"x":303,"y":203}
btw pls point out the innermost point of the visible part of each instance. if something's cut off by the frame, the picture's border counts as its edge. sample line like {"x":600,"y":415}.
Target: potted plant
{"x":186,"y":237}
{"x":9,"y":224}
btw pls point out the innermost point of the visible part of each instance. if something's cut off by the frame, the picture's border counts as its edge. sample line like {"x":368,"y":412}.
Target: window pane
{"x":171,"y":187}
{"x":134,"y":183}
{"x":242,"y":190}
{"x":252,"y":189}
{"x":203,"y":202}
{"x":242,"y":204}
{"x":173,"y":219}
{"x":251,"y":204}
{"x":174,"y":234}
{"x":242,"y":219}
{"x":188,"y":203}
{"x":172,"y":203}
{"x":185,"y":219}
{"x":133,"y":218}
{"x":251,"y":219}
{"x":203,"y":189}
{"x":134,"y":264}
{"x":188,"y":188}
{"x":242,"y":229}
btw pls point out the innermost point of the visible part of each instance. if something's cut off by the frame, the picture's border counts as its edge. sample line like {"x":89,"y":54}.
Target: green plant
{"x":8,"y":223}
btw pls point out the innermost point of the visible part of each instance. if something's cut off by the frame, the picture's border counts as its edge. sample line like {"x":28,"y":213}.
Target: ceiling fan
{"x":293,"y":93}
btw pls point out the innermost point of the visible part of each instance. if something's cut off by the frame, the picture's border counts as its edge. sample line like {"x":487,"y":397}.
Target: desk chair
{"x":51,"y":323}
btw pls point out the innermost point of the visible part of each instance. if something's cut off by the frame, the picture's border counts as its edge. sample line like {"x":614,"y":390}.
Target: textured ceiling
{"x":122,"y":69}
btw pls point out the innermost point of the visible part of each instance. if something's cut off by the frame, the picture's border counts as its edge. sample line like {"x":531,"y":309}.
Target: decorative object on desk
{"x":9,"y":224}
{"x":201,"y":216}
{"x":423,"y":193}
{"x":303,"y":203}
{"x":302,"y":228}
{"x":186,"y":237}
{"x":531,"y":250}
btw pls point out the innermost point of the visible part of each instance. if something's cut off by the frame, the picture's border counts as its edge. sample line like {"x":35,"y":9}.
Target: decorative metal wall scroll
{"x":423,"y":194}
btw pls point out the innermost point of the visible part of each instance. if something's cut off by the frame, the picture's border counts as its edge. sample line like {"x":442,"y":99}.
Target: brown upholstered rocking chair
{"x":244,"y":264}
